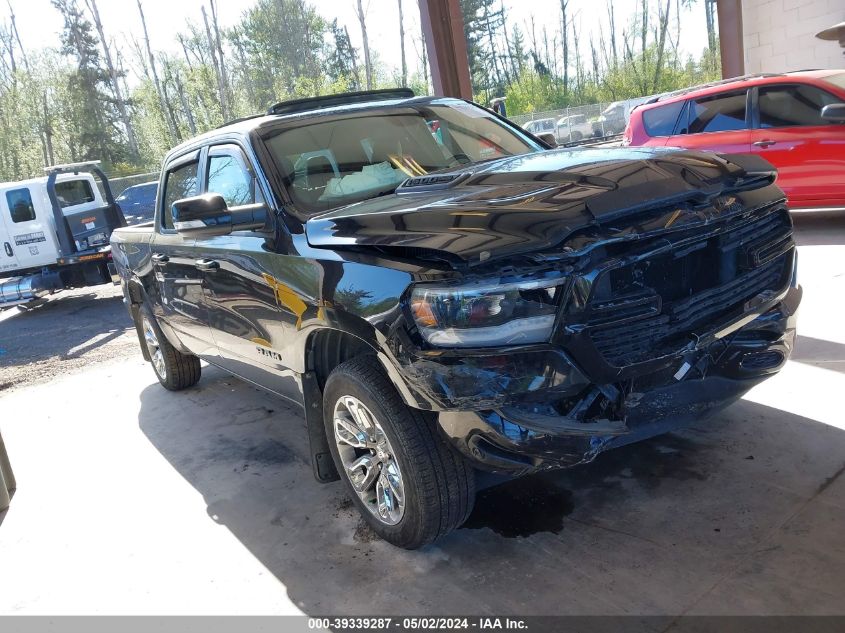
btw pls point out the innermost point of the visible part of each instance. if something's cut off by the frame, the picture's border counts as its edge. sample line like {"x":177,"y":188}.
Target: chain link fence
{"x":578,"y":123}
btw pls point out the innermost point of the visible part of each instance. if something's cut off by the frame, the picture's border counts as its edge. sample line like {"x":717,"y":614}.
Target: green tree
{"x":93,"y":112}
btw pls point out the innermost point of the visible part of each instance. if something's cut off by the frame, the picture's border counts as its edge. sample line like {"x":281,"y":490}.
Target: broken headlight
{"x":487,"y":314}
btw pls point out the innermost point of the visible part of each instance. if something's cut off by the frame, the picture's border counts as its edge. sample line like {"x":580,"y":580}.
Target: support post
{"x":443,"y":27}
{"x":730,"y":38}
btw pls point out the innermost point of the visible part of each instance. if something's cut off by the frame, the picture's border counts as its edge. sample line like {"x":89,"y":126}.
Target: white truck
{"x":55,"y":231}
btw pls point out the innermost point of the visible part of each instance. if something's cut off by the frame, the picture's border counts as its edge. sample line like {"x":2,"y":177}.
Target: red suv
{"x":778,"y":117}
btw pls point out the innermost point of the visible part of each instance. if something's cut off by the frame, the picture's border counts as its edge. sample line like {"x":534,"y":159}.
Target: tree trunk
{"x":514,"y":71}
{"x":643,"y":45}
{"x":221,"y":86}
{"x":122,"y":110}
{"x":424,"y":61}
{"x":368,"y":68}
{"x":493,"y":55}
{"x":564,"y":4}
{"x":357,"y":85}
{"x":224,"y":79}
{"x":663,"y":17}
{"x":611,"y":16}
{"x":13,"y":27}
{"x":171,"y":125}
{"x":402,"y":45}
{"x":578,"y":75}
{"x":48,"y":132}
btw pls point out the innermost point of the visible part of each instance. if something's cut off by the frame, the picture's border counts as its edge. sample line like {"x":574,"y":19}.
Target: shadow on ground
{"x":814,"y":351}
{"x":819,"y":228}
{"x":662,"y":526}
{"x":70,"y":330}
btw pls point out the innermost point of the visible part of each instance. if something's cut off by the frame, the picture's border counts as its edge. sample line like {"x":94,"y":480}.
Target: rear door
{"x":174,"y":258}
{"x":29,"y":241}
{"x":719,"y":123}
{"x":808,"y":151}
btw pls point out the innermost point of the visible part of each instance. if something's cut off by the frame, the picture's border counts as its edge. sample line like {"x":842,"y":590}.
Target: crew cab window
{"x":228,"y":176}
{"x":20,"y":205}
{"x":73,"y":192}
{"x":180,"y":183}
{"x":717,"y":114}
{"x":787,"y":106}
{"x":661,"y":120}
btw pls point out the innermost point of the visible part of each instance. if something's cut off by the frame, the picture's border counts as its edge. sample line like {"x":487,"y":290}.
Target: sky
{"x":39,"y":23}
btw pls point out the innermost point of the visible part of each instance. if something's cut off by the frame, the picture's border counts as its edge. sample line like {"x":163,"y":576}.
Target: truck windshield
{"x":339,"y":160}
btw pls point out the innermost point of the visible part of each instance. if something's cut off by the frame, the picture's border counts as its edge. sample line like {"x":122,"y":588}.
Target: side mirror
{"x":209,"y":216}
{"x":548,"y":138}
{"x":835,"y":113}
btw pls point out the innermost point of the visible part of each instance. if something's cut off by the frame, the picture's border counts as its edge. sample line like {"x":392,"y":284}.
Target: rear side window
{"x":20,"y":205}
{"x":73,"y":192}
{"x":181,"y":183}
{"x":789,"y":106}
{"x":721,"y":113}
{"x":661,"y":120}
{"x":228,"y":176}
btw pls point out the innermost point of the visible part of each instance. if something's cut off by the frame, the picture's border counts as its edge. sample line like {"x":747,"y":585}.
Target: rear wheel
{"x":174,"y":370}
{"x":409,"y":485}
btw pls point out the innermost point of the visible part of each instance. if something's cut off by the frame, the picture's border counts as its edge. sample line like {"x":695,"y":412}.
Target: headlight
{"x":485,"y":314}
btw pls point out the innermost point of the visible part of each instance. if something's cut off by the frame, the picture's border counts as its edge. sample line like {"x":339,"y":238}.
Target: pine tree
{"x":95,"y":117}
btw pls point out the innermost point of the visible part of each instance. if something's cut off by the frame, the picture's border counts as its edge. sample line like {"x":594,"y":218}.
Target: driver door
{"x":242,"y":283}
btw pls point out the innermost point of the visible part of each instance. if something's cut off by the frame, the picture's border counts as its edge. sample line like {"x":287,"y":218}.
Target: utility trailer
{"x":55,"y":232}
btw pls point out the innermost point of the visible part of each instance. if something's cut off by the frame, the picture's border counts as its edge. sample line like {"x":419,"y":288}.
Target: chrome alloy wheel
{"x":154,"y":348}
{"x":369,"y":460}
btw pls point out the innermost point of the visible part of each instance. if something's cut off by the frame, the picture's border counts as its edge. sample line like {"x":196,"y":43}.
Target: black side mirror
{"x":835,"y":113}
{"x":208,"y":216}
{"x":202,"y":216}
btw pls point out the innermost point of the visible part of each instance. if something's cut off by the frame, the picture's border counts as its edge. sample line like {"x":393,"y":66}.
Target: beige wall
{"x":779,"y":35}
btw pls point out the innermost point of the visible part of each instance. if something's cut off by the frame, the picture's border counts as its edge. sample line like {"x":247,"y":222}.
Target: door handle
{"x":764,"y":143}
{"x":207,"y":265}
{"x":8,"y":248}
{"x":159,"y":259}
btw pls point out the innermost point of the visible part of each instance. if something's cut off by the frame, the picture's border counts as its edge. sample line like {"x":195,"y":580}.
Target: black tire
{"x":175,"y":371}
{"x":439,"y":484}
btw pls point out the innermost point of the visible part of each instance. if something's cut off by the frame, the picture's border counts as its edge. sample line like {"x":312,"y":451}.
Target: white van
{"x":54,"y":232}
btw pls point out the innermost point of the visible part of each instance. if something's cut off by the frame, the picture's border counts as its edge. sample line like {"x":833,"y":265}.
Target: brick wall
{"x":779,"y":35}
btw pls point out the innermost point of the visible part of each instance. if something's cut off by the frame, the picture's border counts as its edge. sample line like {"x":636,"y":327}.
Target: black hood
{"x":531,"y":202}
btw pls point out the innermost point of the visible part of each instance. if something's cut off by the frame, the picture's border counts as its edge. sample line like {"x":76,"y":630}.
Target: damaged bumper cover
{"x":526,"y":409}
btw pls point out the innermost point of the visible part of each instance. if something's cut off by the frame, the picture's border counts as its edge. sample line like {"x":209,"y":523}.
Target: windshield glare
{"x":339,"y":161}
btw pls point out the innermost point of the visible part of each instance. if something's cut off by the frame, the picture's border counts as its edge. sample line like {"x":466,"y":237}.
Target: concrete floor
{"x":135,"y":500}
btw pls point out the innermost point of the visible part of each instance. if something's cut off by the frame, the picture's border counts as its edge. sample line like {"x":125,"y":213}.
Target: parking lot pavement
{"x":132,"y":499}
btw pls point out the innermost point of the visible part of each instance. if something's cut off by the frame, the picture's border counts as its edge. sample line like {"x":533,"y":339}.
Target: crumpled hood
{"x":532,"y":202}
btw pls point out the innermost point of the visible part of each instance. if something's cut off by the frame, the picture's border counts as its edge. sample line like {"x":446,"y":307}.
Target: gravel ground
{"x":71,"y":330}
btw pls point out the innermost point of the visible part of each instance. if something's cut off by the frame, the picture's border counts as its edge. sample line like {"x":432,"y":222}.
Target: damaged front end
{"x":656,"y":320}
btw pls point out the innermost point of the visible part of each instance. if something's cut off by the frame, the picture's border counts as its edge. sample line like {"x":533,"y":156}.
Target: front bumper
{"x":494,"y":408}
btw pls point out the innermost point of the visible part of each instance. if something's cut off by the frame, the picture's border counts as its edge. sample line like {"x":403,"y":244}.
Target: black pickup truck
{"x":444,"y":295}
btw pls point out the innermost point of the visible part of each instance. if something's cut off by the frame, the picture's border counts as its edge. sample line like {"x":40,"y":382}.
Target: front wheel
{"x":174,"y":370}
{"x":409,"y":485}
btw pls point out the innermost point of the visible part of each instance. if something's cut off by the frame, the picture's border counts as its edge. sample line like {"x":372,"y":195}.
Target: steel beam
{"x":443,"y":28}
{"x":730,"y":37}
